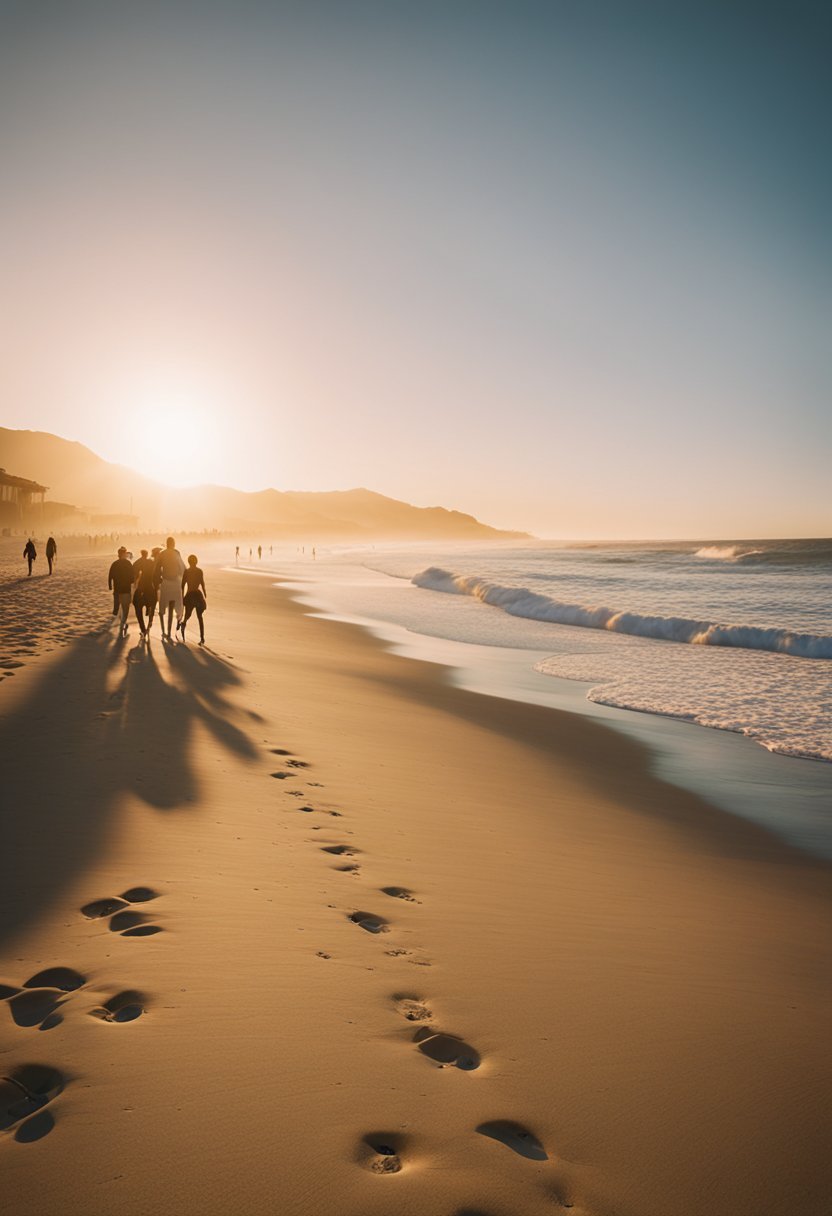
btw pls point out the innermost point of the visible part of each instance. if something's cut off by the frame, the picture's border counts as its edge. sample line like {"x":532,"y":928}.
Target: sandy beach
{"x":292,"y":925}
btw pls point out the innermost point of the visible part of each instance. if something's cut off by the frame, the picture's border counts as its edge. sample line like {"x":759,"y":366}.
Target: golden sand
{"x":291,"y":925}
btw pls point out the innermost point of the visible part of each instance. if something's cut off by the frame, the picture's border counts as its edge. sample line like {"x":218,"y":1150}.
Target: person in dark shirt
{"x":144,"y":593}
{"x":120,"y":582}
{"x":193,"y":585}
{"x":30,"y":553}
{"x":51,"y":551}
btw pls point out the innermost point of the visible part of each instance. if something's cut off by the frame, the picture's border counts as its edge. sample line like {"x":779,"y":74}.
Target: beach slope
{"x":292,"y":925}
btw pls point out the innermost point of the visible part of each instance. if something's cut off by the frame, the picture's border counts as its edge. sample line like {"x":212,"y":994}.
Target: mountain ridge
{"x":99,"y":488}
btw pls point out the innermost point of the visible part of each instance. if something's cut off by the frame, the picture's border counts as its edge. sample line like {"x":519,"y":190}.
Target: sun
{"x":174,"y":437}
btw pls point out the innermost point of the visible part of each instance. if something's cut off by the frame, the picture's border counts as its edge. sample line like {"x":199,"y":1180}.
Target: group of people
{"x":31,"y":553}
{"x":161,"y":579}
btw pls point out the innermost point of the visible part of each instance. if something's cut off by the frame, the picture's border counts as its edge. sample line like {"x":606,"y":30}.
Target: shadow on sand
{"x":104,"y":720}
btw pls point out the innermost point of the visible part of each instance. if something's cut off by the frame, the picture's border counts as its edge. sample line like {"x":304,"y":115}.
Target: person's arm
{"x":110,"y":579}
{"x":184,"y":578}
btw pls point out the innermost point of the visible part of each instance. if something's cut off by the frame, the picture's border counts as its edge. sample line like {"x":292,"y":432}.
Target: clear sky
{"x":564,"y":265}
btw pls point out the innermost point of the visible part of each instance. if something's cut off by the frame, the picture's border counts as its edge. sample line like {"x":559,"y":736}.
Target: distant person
{"x":51,"y":551}
{"x":270,"y":550}
{"x":237,"y":555}
{"x":169,"y":570}
{"x":144,"y":591}
{"x":30,"y":553}
{"x":120,"y":582}
{"x":260,"y":552}
{"x":249,"y":553}
{"x":193,"y":584}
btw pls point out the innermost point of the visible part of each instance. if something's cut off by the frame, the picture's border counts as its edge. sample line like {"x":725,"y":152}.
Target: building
{"x":17,"y":497}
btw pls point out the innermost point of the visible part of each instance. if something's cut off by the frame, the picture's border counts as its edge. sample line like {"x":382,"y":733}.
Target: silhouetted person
{"x":169,"y":571}
{"x":144,"y":591}
{"x":157,"y":580}
{"x":120,"y":582}
{"x":260,"y":552}
{"x":237,"y":555}
{"x":30,"y":553}
{"x":51,"y":551}
{"x":193,"y":584}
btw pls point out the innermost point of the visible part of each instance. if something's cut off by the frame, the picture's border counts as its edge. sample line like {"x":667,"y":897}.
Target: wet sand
{"x":291,"y":924}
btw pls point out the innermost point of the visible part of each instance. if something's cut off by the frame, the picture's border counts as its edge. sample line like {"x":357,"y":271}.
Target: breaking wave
{"x":726,"y":553}
{"x":522,"y":602}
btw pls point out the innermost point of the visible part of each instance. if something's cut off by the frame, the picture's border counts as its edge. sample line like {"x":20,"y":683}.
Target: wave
{"x":727,"y":553}
{"x":522,"y":602}
{"x":809,"y":553}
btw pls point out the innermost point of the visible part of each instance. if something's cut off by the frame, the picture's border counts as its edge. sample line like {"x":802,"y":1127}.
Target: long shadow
{"x":101,"y":722}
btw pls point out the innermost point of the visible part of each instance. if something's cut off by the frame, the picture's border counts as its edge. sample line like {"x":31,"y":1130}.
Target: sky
{"x":563,"y":265}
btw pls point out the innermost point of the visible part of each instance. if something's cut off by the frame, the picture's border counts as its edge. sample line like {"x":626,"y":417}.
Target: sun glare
{"x":174,"y":439}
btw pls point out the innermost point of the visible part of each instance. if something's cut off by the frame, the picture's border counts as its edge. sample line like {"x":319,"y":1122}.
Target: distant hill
{"x":76,"y":475}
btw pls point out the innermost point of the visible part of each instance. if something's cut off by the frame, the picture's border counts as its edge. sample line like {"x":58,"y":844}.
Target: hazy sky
{"x":565,"y":265}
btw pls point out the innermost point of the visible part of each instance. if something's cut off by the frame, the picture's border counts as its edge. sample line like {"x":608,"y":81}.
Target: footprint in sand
{"x":123,"y":919}
{"x":123,"y":1007}
{"x":446,"y":1050}
{"x":37,"y":1002}
{"x":400,"y":893}
{"x":381,"y":1152}
{"x":281,"y":776}
{"x":23,"y":1095}
{"x":297,"y":764}
{"x":412,"y":1008}
{"x":516,"y":1137}
{"x":349,"y":868}
{"x":369,"y":922}
{"x":340,"y":850}
{"x":279,"y":751}
{"x":133,"y":924}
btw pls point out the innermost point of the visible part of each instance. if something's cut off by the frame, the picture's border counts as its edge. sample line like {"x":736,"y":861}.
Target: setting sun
{"x":172,"y":436}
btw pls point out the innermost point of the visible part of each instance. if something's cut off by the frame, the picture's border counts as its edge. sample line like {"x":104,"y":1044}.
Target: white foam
{"x":726,"y":553}
{"x":782,"y":703}
{"x":521,"y":601}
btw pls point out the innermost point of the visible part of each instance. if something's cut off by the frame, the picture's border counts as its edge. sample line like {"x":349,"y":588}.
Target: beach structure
{"x":17,"y":497}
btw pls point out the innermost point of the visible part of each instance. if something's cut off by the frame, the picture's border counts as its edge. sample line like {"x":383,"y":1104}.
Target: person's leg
{"x":138,"y":608}
{"x":49,"y":560}
{"x":199,"y":613}
{"x":170,"y":617}
{"x":125,"y":609}
{"x":185,"y":619}
{"x":29,"y":560}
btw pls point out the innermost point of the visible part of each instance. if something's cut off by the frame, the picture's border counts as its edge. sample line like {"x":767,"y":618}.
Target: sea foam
{"x":523,"y":602}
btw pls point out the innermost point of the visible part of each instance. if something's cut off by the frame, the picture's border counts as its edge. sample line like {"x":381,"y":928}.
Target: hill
{"x":74,"y":474}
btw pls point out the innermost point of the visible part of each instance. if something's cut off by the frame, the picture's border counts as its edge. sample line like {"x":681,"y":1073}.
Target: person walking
{"x":120,"y":582}
{"x":30,"y":553}
{"x":144,"y":591}
{"x":193,"y":584}
{"x":51,"y":552}
{"x":169,"y":571}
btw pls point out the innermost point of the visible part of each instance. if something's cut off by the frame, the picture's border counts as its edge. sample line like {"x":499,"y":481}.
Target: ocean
{"x":735,"y":636}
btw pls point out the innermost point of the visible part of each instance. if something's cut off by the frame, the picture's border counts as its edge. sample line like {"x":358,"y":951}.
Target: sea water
{"x":732,"y":635}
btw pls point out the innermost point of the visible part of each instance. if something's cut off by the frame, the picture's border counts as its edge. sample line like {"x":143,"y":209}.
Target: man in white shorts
{"x":169,"y":571}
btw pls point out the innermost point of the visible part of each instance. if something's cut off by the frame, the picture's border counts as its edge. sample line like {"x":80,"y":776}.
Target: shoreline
{"x":642,"y":979}
{"x":727,"y":769}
